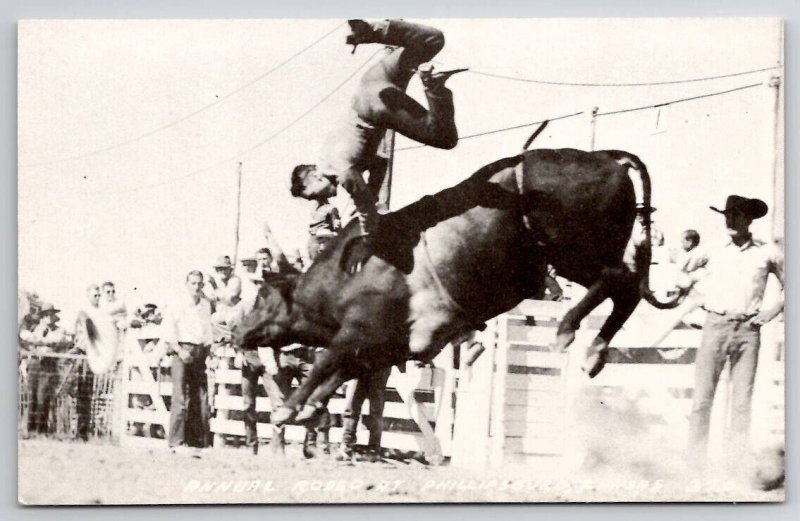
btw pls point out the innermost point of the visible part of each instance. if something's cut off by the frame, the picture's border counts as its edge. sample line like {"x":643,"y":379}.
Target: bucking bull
{"x":446,"y":264}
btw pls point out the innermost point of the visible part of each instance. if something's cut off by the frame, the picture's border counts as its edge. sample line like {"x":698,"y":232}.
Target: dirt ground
{"x":53,"y":472}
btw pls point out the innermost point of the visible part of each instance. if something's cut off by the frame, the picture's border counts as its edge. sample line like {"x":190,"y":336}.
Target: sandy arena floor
{"x":53,"y":472}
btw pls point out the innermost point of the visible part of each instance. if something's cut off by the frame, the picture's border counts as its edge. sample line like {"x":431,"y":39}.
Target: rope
{"x":174,"y":122}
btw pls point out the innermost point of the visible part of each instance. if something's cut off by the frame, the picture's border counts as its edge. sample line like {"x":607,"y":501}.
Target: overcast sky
{"x":145,"y":213}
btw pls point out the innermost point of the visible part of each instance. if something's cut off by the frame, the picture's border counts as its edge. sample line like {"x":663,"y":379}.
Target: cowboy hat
{"x":48,"y":308}
{"x":753,"y":208}
{"x":223,"y":261}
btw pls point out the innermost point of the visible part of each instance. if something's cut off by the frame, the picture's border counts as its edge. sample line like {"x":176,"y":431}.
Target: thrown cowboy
{"x":381,"y":104}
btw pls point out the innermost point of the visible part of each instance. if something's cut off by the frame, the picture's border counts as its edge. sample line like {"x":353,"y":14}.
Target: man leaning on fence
{"x":187,"y":332}
{"x":733,"y":284}
{"x":42,"y":369}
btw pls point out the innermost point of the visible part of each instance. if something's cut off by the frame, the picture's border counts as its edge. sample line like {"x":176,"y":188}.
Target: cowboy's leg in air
{"x":381,"y":99}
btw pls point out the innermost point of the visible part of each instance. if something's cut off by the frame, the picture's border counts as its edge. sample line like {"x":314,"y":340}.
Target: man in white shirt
{"x":187,"y":333}
{"x":251,"y":283}
{"x":733,"y":282}
{"x":114,"y":306}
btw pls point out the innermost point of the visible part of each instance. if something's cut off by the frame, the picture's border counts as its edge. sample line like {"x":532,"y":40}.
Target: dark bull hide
{"x":449,"y":262}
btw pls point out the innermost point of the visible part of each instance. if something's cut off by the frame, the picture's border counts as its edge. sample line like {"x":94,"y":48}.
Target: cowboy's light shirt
{"x":188,"y":322}
{"x":735,"y":277}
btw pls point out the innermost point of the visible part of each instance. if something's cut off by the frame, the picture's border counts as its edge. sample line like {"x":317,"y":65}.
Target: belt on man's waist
{"x":731,"y":317}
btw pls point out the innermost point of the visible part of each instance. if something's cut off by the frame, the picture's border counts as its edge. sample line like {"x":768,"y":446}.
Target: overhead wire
{"x":599,"y":114}
{"x":496,"y":131}
{"x":618,"y":84}
{"x":248,"y":150}
{"x":190,"y":115}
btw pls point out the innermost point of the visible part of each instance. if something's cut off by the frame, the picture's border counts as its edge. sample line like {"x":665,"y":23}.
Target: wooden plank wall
{"x":433,"y":391}
{"x":538,"y":396}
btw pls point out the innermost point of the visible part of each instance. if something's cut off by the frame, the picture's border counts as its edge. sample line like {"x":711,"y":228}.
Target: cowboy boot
{"x":347,"y":448}
{"x":278,"y":442}
{"x":310,"y":444}
{"x":365,"y":32}
{"x":323,"y":442}
{"x":434,"y":81}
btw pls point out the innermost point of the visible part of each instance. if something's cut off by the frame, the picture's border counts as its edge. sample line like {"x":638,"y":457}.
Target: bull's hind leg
{"x":598,"y":292}
{"x":625,"y":298}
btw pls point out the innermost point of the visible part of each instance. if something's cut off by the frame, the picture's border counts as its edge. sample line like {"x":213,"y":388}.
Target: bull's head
{"x":269,"y":323}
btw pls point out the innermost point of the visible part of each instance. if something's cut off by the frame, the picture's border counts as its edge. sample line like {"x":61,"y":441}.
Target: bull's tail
{"x":645,"y":254}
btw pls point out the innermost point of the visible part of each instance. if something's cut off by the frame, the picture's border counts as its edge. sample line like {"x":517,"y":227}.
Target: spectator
{"x":114,"y":306}
{"x":264,"y":261}
{"x":43,"y":375}
{"x":85,"y":375}
{"x":733,"y":282}
{"x":692,"y":258}
{"x":28,"y":306}
{"x":188,"y":335}
{"x":251,"y":282}
{"x":278,"y":369}
{"x":373,"y":388}
{"x":226,"y":297}
{"x":149,"y":314}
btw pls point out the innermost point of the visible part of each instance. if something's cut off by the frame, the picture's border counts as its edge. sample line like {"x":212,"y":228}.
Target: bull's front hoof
{"x":595,"y":363}
{"x":282,"y":416}
{"x":306,"y":414}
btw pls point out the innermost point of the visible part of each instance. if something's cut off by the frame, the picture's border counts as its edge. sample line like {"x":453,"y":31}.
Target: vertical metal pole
{"x":778,"y":197}
{"x":778,"y":208}
{"x":238,"y":213}
{"x":592,"y":127}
